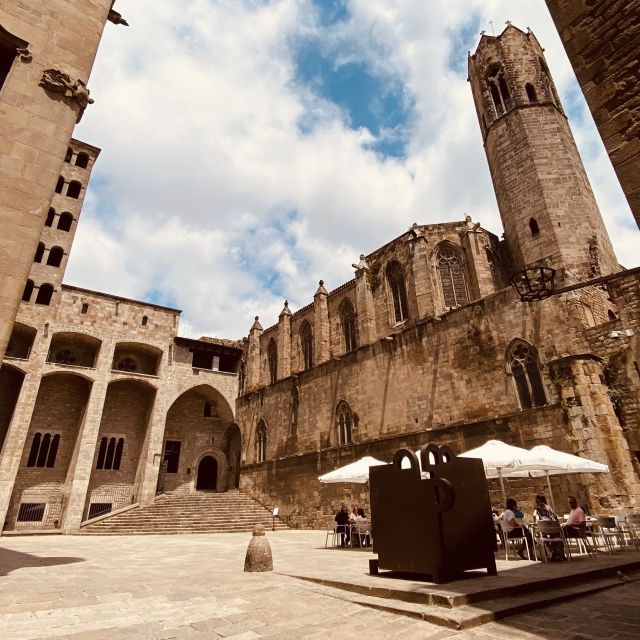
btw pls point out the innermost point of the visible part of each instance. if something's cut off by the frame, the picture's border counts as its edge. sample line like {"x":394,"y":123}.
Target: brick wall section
{"x":602,"y":40}
{"x":35,"y":128}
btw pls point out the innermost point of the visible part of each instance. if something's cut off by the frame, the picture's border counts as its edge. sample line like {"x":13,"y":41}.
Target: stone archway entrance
{"x":207,"y":479}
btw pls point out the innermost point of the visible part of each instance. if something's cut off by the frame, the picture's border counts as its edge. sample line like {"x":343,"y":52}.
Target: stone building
{"x":47,"y":50}
{"x":429,"y":343}
{"x":101,"y":403}
{"x":602,"y":40}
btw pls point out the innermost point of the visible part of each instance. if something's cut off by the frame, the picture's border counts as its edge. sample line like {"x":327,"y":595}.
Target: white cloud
{"x":206,"y":189}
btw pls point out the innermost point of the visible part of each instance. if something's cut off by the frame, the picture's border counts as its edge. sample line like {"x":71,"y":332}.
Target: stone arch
{"x":450,"y":266}
{"x":523,"y":366}
{"x":74,"y":348}
{"x":221,"y":469}
{"x":138,"y":357}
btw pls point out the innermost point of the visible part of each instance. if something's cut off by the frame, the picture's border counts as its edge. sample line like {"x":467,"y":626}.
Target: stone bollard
{"x":258,"y":556}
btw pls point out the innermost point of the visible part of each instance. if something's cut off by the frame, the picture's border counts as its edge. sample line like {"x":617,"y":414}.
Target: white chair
{"x":362,"y":529}
{"x":511,"y":540}
{"x":332,"y":530}
{"x":550,"y":532}
{"x":606,"y":529}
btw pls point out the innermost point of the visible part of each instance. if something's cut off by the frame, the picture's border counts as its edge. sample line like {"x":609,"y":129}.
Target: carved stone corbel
{"x":75,"y":92}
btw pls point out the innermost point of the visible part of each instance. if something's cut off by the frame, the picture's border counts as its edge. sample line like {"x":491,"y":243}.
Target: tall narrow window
{"x":272,"y":361}
{"x":344,"y":423}
{"x":28,"y":290}
{"x":68,"y":155}
{"x":74,"y":189}
{"x":65,"y":221}
{"x":44,"y":449}
{"x":261,"y":442}
{"x":55,"y":256}
{"x":348,"y":321}
{"x":452,"y":279}
{"x":533,"y":226}
{"x":531,"y":92}
{"x":111,"y":449}
{"x":39,"y":252}
{"x":60,"y":185}
{"x":306,"y":345}
{"x":51,"y":216}
{"x":524,"y":365}
{"x":33,"y":452}
{"x":102,"y":453}
{"x":144,"y":321}
{"x":172,"y":455}
{"x":395,"y":278}
{"x":110,"y":453}
{"x":207,"y":410}
{"x":82,"y":160}
{"x":44,"y":294}
{"x":117,"y":458}
{"x":295,"y":404}
{"x":85,"y":307}
{"x":53,"y":450}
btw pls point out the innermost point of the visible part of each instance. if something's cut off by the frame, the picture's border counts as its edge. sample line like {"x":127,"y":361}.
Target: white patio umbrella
{"x":545,"y":460}
{"x":501,"y":460}
{"x":357,"y":471}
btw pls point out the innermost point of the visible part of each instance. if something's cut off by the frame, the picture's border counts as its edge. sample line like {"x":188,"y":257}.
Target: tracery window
{"x":451,"y":271}
{"x":306,"y":345}
{"x":344,"y":423}
{"x":395,"y":278}
{"x":499,"y":90}
{"x":44,"y":449}
{"x":110,"y":453}
{"x":272,"y":361}
{"x":261,"y":442}
{"x":525,"y":367}
{"x":348,"y":321}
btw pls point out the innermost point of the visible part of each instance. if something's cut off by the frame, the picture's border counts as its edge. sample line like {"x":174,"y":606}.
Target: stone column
{"x":364,"y":304}
{"x":152,"y":451}
{"x":596,"y":432}
{"x":284,"y":342}
{"x":322,"y":348}
{"x":475,"y":244}
{"x":15,"y":440}
{"x":252,"y":368}
{"x":420,"y":272}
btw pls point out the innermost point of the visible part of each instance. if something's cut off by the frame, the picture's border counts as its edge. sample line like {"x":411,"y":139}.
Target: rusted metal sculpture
{"x":436,"y":522}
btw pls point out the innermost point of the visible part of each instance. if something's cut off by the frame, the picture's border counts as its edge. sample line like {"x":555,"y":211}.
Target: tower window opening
{"x":55,"y":256}
{"x":499,"y":90}
{"x":50,"y":218}
{"x":531,"y":92}
{"x":144,"y":321}
{"x":525,"y":368}
{"x":497,"y":100}
{"x":28,"y":291}
{"x":74,"y":189}
{"x":504,"y":92}
{"x":533,"y":225}
{"x":65,"y":221}
{"x":85,"y":307}
{"x":207,"y":410}
{"x":272,"y":361}
{"x":82,"y":160}
{"x":395,"y":278}
{"x":39,"y":252}
{"x":60,"y":185}
{"x":348,"y":320}
{"x":68,"y":155}
{"x":44,"y":294}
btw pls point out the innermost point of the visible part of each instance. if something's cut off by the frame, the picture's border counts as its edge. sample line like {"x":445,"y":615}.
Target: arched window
{"x":65,"y":221}
{"x":68,"y":155}
{"x":28,"y":290}
{"x":50,"y":218}
{"x":451,"y":271}
{"x":344,"y":423}
{"x":39,"y":252}
{"x":348,"y":321}
{"x":60,"y":185}
{"x":44,"y":294}
{"x":395,"y":278}
{"x":117,"y":458}
{"x":102,"y":452}
{"x":306,"y":345}
{"x":531,"y":92}
{"x":82,"y":160}
{"x":144,"y":321}
{"x":207,"y":410}
{"x":111,"y":449}
{"x":272,"y":361}
{"x":525,"y":368}
{"x":44,"y":449}
{"x":74,"y":189}
{"x":110,"y":453}
{"x":533,"y":225}
{"x":261,"y":442}
{"x":55,"y":256}
{"x":499,"y":90}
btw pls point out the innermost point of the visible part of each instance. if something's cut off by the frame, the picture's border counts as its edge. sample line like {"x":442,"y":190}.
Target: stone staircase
{"x":191,"y":513}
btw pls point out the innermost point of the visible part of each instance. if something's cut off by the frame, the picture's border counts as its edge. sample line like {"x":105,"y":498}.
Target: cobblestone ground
{"x":163,"y":587}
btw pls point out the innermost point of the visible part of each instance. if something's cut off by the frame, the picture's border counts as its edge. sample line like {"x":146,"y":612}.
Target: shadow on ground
{"x":11,"y":560}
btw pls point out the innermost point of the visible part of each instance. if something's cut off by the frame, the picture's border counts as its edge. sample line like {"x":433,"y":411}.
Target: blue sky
{"x":253,"y":147}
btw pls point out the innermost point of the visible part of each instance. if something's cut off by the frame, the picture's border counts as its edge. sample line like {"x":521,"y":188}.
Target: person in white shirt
{"x":514,"y":527}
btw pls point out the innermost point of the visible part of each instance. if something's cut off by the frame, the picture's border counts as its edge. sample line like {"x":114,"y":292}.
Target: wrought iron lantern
{"x":534,"y":283}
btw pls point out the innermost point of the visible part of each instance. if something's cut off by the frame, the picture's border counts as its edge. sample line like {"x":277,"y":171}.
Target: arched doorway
{"x":207,"y":474}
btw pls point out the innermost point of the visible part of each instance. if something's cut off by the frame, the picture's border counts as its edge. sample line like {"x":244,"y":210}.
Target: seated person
{"x":514,"y":527}
{"x":343,"y":528}
{"x":361,"y":517}
{"x":576,"y":524}
{"x":543,"y":511}
{"x":554,"y":550}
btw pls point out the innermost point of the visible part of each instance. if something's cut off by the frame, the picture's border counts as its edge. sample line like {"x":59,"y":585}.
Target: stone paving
{"x":193,"y":586}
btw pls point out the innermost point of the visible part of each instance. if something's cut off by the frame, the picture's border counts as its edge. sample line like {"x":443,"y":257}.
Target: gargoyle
{"x":57,"y":81}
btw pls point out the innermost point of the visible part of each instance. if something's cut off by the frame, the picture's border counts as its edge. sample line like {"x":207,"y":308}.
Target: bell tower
{"x":548,"y":210}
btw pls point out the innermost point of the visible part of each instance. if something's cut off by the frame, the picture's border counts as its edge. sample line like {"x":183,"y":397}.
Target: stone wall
{"x":602,"y":40}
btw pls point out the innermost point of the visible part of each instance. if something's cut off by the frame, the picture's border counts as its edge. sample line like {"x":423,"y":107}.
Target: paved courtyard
{"x":193,"y":586}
